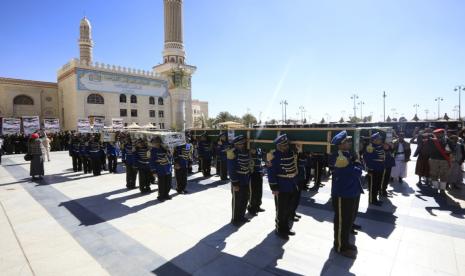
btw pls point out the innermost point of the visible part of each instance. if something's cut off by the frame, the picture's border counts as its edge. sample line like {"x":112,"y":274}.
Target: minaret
{"x":85,"y":41}
{"x":174,"y":66}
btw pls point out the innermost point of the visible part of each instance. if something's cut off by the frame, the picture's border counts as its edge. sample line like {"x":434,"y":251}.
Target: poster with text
{"x":52,"y":125}
{"x":99,"y":125}
{"x":31,"y":124}
{"x":117,"y":124}
{"x":11,"y":126}
{"x":83,"y":126}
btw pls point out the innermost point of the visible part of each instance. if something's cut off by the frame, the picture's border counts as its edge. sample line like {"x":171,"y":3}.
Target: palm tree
{"x":248,"y":119}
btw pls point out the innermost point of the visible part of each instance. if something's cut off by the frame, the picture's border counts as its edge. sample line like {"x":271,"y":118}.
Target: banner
{"x":11,"y":126}
{"x":30,"y":124}
{"x":99,"y":124}
{"x":108,"y":136}
{"x":117,"y":124}
{"x":52,"y":125}
{"x":83,"y":126}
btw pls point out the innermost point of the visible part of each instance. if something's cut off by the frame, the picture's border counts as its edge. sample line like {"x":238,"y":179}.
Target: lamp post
{"x":355,"y":97}
{"x":426,"y":114}
{"x":416,"y":106}
{"x":439,"y":100}
{"x":384,"y":106}
{"x":361,"y":103}
{"x":460,"y":88}
{"x":285,"y":111}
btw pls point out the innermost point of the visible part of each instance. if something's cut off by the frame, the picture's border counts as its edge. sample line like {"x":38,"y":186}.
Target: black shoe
{"x":160,"y":199}
{"x":282,"y":235}
{"x":236,"y":223}
{"x":253,"y":213}
{"x":356,"y":226}
{"x":167,"y":197}
{"x":295,"y":219}
{"x":290,"y":233}
{"x":352,"y":247}
{"x":377,"y":203}
{"x":353,"y":232}
{"x":244,"y":220}
{"x":351,"y":254}
{"x":298,"y":216}
{"x":185,"y":192}
{"x":261,"y":210}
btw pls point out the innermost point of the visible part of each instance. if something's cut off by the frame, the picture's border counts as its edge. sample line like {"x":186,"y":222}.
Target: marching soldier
{"x":221,"y":159}
{"x":129,"y":160}
{"x":345,"y":191}
{"x":74,"y":153}
{"x":256,"y":181}
{"x":205,"y":155}
{"x":95,"y":156}
{"x":375,"y":158}
{"x":84,"y":154}
{"x":112,"y":157}
{"x":282,"y":173}
{"x":182,"y":156}
{"x":239,"y":168}
{"x":160,"y":164}
{"x":142,"y":161}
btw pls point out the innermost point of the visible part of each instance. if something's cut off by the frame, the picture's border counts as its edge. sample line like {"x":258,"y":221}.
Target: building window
{"x":48,"y":99}
{"x":152,"y":113}
{"x":133,"y":99}
{"x":122,"y":98}
{"x":95,"y":99}
{"x":123,"y":112}
{"x":133,"y":112}
{"x":151,"y":100}
{"x":23,"y":100}
{"x":162,"y":125}
{"x":161,"y":114}
{"x":160,"y":101}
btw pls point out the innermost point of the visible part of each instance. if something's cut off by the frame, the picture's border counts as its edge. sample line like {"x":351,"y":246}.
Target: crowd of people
{"x":289,"y":169}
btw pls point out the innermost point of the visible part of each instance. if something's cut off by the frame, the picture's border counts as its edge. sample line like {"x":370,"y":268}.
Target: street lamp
{"x":283,"y":104}
{"x":439,"y":100}
{"x":384,"y":106}
{"x":355,"y":97}
{"x":361,"y":103}
{"x":460,"y":88}
{"x":416,"y":106}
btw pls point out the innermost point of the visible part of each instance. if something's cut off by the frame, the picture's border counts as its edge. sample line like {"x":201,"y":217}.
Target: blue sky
{"x":251,"y":54}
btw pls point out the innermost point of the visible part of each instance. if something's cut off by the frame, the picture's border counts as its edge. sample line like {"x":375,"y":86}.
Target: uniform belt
{"x":144,"y":162}
{"x":287,"y":175}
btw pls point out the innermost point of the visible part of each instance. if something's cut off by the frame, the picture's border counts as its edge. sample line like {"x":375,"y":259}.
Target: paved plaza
{"x":75,"y":224}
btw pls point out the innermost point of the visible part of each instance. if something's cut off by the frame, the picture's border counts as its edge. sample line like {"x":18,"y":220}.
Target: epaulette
{"x":230,"y":154}
{"x":341,"y":161}
{"x":270,"y":155}
{"x":148,"y":154}
{"x":370,"y":148}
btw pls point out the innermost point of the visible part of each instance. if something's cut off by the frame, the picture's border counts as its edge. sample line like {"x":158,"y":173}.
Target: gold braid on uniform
{"x":230,"y":154}
{"x":341,"y":161}
{"x":370,"y":148}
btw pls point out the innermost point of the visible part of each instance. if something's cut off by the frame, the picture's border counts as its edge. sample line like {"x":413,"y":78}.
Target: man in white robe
{"x":402,"y":153}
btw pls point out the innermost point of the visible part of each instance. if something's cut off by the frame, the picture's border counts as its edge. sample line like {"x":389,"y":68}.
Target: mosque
{"x":87,"y":90}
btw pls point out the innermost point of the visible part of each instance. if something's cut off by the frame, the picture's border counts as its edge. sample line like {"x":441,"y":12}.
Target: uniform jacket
{"x":111,"y":150}
{"x":182,"y":155}
{"x":282,"y":170}
{"x":257,"y":158}
{"x":128,"y":154}
{"x":160,"y":161}
{"x":346,"y":179}
{"x":95,"y":150}
{"x":205,"y":149}
{"x":221,"y":149}
{"x":374,"y":157}
{"x":240,"y":166}
{"x":142,"y":157}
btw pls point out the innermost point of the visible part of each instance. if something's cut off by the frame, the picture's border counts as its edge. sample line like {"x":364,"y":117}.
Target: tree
{"x":446,"y":117}
{"x":354,"y":119}
{"x":224,"y":117}
{"x":416,"y":119}
{"x":272,"y":122}
{"x":248,"y":120}
{"x":304,"y":121}
{"x":341,"y":120}
{"x":322,"y":121}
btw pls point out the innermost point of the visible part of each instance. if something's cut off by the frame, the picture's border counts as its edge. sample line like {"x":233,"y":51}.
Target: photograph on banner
{"x":11,"y":126}
{"x":31,"y":124}
{"x":52,"y":125}
{"x":117,"y":124}
{"x":99,"y":124}
{"x":83,"y":126}
{"x":108,"y":136}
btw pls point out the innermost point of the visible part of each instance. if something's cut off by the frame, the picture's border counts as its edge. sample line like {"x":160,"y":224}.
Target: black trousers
{"x":256,"y":192}
{"x":131,"y":175}
{"x":199,"y":161}
{"x":357,"y":203}
{"x":85,"y":160}
{"x":218,"y":165}
{"x":296,"y":197}
{"x":343,"y":220}
{"x":189,"y":166}
{"x":181,"y":179}
{"x":112,"y":161}
{"x":385,"y":180}
{"x":144,"y":179}
{"x":96,"y":166}
{"x":318,"y":171}
{"x":283,"y":203}
{"x":239,"y":202}
{"x":103,"y":161}
{"x":224,"y":170}
{"x":374,"y":185}
{"x":77,"y":164}
{"x":206,"y":166}
{"x":164,"y":186}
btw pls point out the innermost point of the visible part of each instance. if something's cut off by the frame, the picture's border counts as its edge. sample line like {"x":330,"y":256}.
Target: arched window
{"x":95,"y":99}
{"x":160,"y":101}
{"x":23,"y":100}
{"x":133,"y":99}
{"x":122,"y":98}
{"x":172,"y":60}
{"x":151,"y":100}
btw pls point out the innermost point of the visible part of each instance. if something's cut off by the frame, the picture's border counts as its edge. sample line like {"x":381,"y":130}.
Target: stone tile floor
{"x":76,"y":224}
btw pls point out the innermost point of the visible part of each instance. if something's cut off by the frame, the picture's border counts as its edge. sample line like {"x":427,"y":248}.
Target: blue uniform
{"x":346,"y":180}
{"x":95,"y":156}
{"x":282,"y":171}
{"x":257,"y":158}
{"x":128,"y":157}
{"x":111,"y":150}
{"x":160,"y":163}
{"x":375,"y":160}
{"x":142,"y":163}
{"x":205,"y":157}
{"x":375,"y":157}
{"x":239,"y":167}
{"x":182,"y":157}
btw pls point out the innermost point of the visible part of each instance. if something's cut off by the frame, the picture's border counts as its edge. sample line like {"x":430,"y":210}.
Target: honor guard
{"x":239,"y":168}
{"x":345,"y":192}
{"x":160,"y":164}
{"x":84,"y":154}
{"x":129,"y":160}
{"x":112,"y":156}
{"x":182,"y":156}
{"x":301,"y":165}
{"x":142,"y":160}
{"x":205,"y":155}
{"x":256,"y":181}
{"x":74,"y":153}
{"x":221,"y":159}
{"x":95,"y":156}
{"x":375,"y":159}
{"x":282,"y":177}
{"x":389,"y":163}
